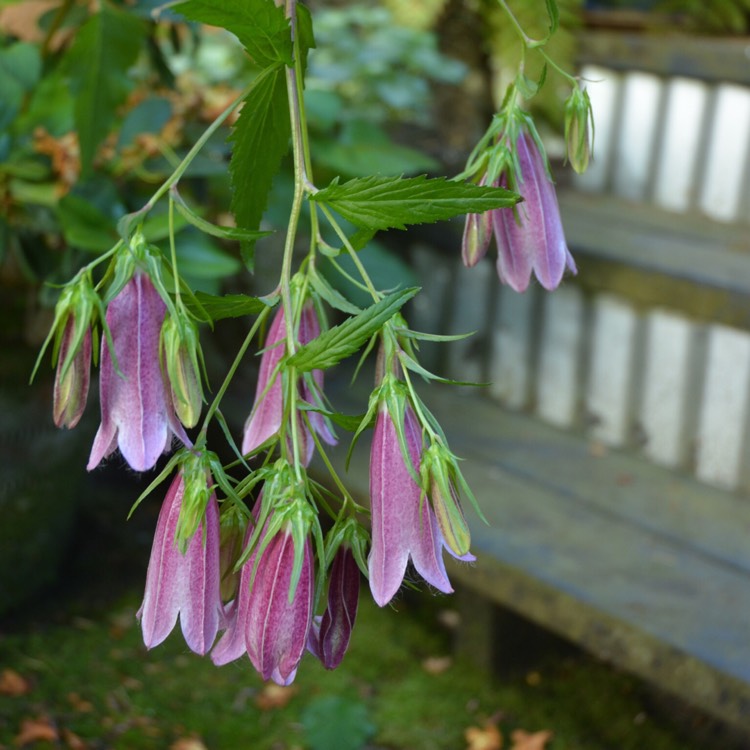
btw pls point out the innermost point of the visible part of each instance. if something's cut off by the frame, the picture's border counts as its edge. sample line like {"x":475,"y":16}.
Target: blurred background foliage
{"x":101,"y":101}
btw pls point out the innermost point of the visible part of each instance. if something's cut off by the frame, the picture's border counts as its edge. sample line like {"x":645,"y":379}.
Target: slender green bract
{"x":343,"y":340}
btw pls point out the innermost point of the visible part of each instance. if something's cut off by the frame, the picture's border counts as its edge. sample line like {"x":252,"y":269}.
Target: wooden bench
{"x":610,"y":452}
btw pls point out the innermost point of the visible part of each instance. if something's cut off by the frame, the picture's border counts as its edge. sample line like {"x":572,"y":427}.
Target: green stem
{"x":57,"y":20}
{"x":300,"y":183}
{"x":201,"y":142}
{"x":232,"y":370}
{"x":352,"y":252}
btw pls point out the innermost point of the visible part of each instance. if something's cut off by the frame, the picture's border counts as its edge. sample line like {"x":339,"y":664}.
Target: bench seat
{"x":646,"y":569}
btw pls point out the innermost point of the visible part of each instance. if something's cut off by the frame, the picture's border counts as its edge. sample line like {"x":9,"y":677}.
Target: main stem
{"x":300,"y":180}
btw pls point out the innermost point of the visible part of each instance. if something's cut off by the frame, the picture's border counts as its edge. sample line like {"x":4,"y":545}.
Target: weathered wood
{"x":711,"y":59}
{"x":657,"y":259}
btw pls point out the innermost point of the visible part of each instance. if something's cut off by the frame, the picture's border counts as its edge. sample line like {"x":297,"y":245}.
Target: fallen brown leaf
{"x":484,"y":738}
{"x":13,"y":684}
{"x":188,"y":743}
{"x":274,"y":696}
{"x":437,"y":664}
{"x":73,"y":741}
{"x":523,"y":740}
{"x":35,"y":730}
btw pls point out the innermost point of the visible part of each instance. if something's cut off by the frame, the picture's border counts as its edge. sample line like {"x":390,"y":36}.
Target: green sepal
{"x":224,"y":233}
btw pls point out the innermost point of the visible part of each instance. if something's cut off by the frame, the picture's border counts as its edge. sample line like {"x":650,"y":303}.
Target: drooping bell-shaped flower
{"x":403,"y":523}
{"x":72,"y":382}
{"x":330,"y":634}
{"x":184,"y":583}
{"x":137,"y":412}
{"x":530,"y":237}
{"x":269,"y":620}
{"x":268,"y":411}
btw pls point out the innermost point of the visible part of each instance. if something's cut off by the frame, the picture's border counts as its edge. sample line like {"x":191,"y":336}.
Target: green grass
{"x":93,"y":677}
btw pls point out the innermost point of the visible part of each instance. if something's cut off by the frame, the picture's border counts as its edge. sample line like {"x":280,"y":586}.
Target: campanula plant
{"x":258,"y":557}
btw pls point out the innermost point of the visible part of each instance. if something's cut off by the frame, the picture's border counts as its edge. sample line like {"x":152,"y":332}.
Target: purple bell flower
{"x":530,"y":236}
{"x":137,"y":412}
{"x":262,"y":621}
{"x":403,"y":523}
{"x":183,"y":584}
{"x":330,"y":634}
{"x":265,"y":419}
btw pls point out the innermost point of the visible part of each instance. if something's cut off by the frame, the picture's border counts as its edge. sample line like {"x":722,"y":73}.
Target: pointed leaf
{"x":226,"y":306}
{"x":261,"y":26}
{"x":343,"y":340}
{"x":104,"y":49}
{"x":261,"y":138}
{"x":377,"y":202}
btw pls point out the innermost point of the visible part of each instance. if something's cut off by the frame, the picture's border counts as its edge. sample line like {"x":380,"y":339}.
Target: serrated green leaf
{"x":343,"y":340}
{"x":377,"y":202}
{"x":261,"y":26}
{"x":105,"y":47}
{"x":333,"y":297}
{"x":260,"y":138}
{"x":226,"y":306}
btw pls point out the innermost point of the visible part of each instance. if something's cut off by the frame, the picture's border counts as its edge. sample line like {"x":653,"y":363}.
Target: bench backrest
{"x":648,"y":348}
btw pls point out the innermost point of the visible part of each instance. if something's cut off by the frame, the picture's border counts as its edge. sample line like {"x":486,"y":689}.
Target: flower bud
{"x":232,"y":534}
{"x":578,"y":117}
{"x":436,"y":469}
{"x":72,"y":377}
{"x":330,"y":634}
{"x":180,"y":349}
{"x":476,"y":239}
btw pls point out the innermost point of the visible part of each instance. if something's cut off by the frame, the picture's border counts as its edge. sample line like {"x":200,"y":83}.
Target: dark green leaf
{"x":20,"y":68}
{"x":260,"y":138}
{"x":105,"y":47}
{"x":554,"y":16}
{"x":261,"y":26}
{"x":377,"y":203}
{"x":84,"y":225}
{"x":343,"y":340}
{"x":226,"y":306}
{"x":333,"y":297}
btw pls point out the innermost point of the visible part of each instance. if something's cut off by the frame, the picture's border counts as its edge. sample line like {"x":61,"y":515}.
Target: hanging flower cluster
{"x":258,"y":557}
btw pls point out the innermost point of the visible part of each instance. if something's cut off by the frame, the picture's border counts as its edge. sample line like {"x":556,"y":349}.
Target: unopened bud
{"x":476,"y":239}
{"x":180,"y":347}
{"x":450,"y":517}
{"x":232,"y":534}
{"x":578,"y":119}
{"x":71,"y":382}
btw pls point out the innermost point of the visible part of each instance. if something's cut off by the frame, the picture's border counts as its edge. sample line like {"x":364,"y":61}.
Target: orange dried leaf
{"x":437,"y":664}
{"x":523,"y":740}
{"x":485,"y":738}
{"x":188,"y":743}
{"x":274,"y":696}
{"x":13,"y":684}
{"x":36,"y":730}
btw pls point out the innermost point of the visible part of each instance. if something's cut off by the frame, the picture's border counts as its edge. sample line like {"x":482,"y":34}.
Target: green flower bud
{"x":437,"y":476}
{"x":180,"y":351}
{"x":231,"y":536}
{"x":578,"y":118}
